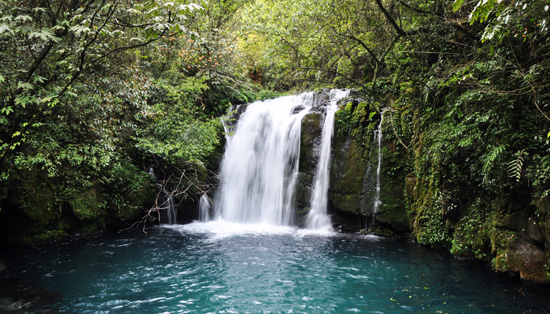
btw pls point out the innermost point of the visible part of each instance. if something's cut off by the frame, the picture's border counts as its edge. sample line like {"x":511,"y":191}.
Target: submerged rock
{"x":19,"y":297}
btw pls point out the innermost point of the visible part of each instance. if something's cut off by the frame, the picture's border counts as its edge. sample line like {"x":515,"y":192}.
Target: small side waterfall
{"x":205,"y":207}
{"x":168,"y":208}
{"x":317,"y":217}
{"x":378,"y":137}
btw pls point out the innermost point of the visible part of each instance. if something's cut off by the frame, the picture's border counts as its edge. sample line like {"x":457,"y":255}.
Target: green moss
{"x":310,"y":130}
{"x":39,"y":203}
{"x":347,"y":174}
{"x":360,"y":114}
{"x":472,"y":234}
{"x":349,"y":107}
{"x":383,"y":232}
{"x":429,"y":224}
{"x":88,"y":205}
{"x":38,"y":236}
{"x":347,"y":202}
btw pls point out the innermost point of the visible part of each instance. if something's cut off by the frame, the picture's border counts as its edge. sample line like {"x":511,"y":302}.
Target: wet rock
{"x":19,"y":297}
{"x":534,"y":231}
{"x":310,"y":138}
{"x":297,"y":109}
{"x":528,"y":259}
{"x":517,"y":221}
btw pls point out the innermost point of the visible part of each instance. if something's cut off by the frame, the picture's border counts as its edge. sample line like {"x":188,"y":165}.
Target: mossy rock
{"x":38,"y":201}
{"x":350,"y":159}
{"x":88,"y":205}
{"x":346,"y":202}
{"x":346,"y":177}
{"x":37,"y":235}
{"x":310,"y":135}
{"x":528,"y":260}
{"x":396,"y":217}
{"x":301,"y":216}
{"x":361,"y":113}
{"x":383,"y":232}
{"x":138,"y":201}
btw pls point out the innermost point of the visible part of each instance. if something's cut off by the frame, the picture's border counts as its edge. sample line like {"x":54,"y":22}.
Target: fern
{"x":515,"y":166}
{"x":491,"y":157}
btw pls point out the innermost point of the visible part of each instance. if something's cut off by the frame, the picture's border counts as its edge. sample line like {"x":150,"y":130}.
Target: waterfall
{"x":260,"y":164}
{"x":317,"y":217}
{"x":259,"y":170}
{"x":205,"y":206}
{"x":378,"y":137}
{"x":169,"y":209}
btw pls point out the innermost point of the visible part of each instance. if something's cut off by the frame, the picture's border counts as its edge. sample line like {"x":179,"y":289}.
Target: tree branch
{"x":390,"y":19}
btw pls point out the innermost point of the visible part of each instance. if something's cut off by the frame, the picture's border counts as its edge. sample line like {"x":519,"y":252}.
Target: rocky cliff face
{"x":353,"y":169}
{"x":39,"y":208}
{"x":511,"y":231}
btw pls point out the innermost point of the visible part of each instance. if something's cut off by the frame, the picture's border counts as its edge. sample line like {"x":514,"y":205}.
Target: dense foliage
{"x":95,"y":93}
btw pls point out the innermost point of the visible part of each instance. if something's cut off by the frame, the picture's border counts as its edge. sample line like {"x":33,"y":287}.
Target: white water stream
{"x":260,"y":164}
{"x":259,"y":169}
{"x":378,"y":137}
{"x":318,"y":217}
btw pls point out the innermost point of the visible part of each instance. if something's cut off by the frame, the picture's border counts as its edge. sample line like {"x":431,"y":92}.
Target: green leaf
{"x":24,"y":85}
{"x":4,"y":28}
{"x":39,"y":79}
{"x":457,"y":4}
{"x":44,"y":34}
{"x":548,"y":136}
{"x":23,"y":18}
{"x":7,"y":110}
{"x":371,"y":115}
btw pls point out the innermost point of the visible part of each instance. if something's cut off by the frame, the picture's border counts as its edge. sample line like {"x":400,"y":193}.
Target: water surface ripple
{"x":188,"y":269}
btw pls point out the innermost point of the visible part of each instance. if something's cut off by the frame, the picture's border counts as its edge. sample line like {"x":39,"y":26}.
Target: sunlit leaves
{"x":457,"y":4}
{"x":515,"y":166}
{"x":7,"y":110}
{"x":509,"y":18}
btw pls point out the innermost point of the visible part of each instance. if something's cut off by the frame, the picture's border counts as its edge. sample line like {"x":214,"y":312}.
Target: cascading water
{"x":169,"y":208}
{"x":205,"y":207}
{"x":317,"y":217}
{"x":260,"y":164}
{"x":259,"y":169}
{"x":378,"y":137}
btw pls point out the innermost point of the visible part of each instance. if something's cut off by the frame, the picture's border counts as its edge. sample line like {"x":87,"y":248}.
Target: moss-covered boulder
{"x":524,"y":257}
{"x":346,"y":176}
{"x":349,"y":163}
{"x":310,"y":138}
{"x":355,"y":160}
{"x":38,"y":201}
{"x":89,"y":204}
{"x":393,"y":172}
{"x":44,"y":208}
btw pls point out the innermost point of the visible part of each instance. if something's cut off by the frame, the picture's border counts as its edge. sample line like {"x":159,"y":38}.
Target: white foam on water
{"x":219,"y":229}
